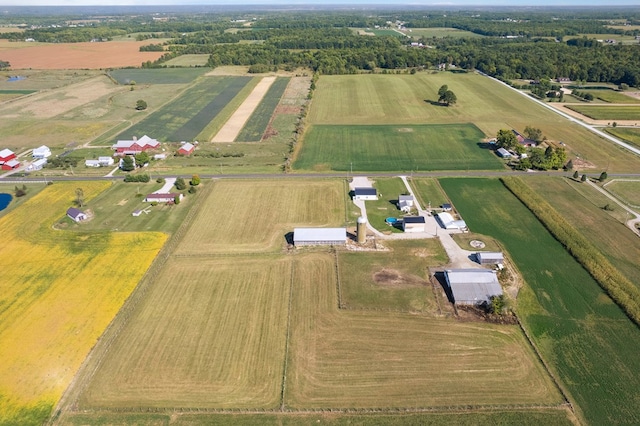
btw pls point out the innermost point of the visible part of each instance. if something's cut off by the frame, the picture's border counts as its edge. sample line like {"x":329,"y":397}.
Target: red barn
{"x":135,"y":146}
{"x":186,"y":149}
{"x":8,"y":160}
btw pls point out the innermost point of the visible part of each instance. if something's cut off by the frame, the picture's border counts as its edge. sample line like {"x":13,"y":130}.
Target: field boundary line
{"x":338,"y":286}
{"x":88,"y":368}
{"x":283,"y":389}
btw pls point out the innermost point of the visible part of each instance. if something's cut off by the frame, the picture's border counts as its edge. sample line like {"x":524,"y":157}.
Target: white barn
{"x":319,"y":236}
{"x":448,"y":222}
{"x":405,"y":203}
{"x":473,"y":286}
{"x":366,"y":194}
{"x":489,"y":257}
{"x":413,"y":224}
{"x":41,"y":152}
{"x":76,"y":215}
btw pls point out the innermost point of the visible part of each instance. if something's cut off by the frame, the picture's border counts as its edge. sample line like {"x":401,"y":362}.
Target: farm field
{"x":489,"y":105}
{"x":613,"y":112}
{"x":582,"y":206}
{"x":397,"y":280}
{"x":257,"y":124}
{"x":613,"y":97}
{"x":191,"y":60}
{"x":77,"y":282}
{"x":581,"y":333}
{"x":234,"y":218}
{"x":395,"y":148}
{"x":9,"y":188}
{"x":187,"y":115}
{"x":44,"y":79}
{"x":59,"y":56}
{"x":439,"y":33}
{"x":428,"y":192}
{"x":386,"y":206}
{"x":156,"y":75}
{"x":627,"y":190}
{"x":630,"y":135}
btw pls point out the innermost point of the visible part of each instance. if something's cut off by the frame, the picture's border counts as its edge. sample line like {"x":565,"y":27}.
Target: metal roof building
{"x":488,"y":257}
{"x":413,"y":224}
{"x":365,"y":194}
{"x":473,"y":286}
{"x":319,"y":236}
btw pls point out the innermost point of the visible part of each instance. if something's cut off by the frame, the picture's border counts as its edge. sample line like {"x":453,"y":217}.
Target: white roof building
{"x":41,"y":152}
{"x":405,"y":203}
{"x":319,"y":236}
{"x":473,"y":286}
{"x":448,"y":222}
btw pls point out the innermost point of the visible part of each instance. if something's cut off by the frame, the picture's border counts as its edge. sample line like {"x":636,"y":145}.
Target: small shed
{"x":503,"y":153}
{"x":405,"y":203}
{"x":136,"y":213}
{"x":38,"y":164}
{"x":92,"y":163}
{"x":413,"y":224}
{"x":6,"y":155}
{"x":186,"y":149}
{"x":167,"y":197}
{"x":41,"y":152}
{"x":365,"y":194}
{"x":489,"y":257}
{"x":319,"y":236}
{"x":106,"y":161}
{"x":447,"y":207}
{"x":76,"y":215}
{"x":472,"y":286}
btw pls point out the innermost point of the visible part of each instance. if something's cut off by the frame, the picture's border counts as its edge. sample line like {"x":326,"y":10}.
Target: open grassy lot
{"x":386,"y":206}
{"x":156,"y":76}
{"x":7,"y":188}
{"x":349,"y":359}
{"x":44,"y":79}
{"x":259,"y":120}
{"x":193,"y":60}
{"x":210,"y":333}
{"x":630,"y":135}
{"x":59,"y":290}
{"x":188,"y":114}
{"x":397,"y":280}
{"x":613,"y":112}
{"x":439,"y":33}
{"x":464,"y":241}
{"x":586,"y":339}
{"x":395,"y":148}
{"x":627,"y":190}
{"x":234,"y":218}
{"x":408,"y":99}
{"x":428,"y":192}
{"x":582,"y":206}
{"x":613,"y":96}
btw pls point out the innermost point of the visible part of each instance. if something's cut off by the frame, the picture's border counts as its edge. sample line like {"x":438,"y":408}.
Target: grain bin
{"x":361,"y":230}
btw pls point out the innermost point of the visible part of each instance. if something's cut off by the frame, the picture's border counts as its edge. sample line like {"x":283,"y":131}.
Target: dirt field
{"x":112,"y":54}
{"x":234,"y":125}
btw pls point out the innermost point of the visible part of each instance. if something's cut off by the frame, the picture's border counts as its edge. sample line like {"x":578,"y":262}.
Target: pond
{"x":5,"y":199}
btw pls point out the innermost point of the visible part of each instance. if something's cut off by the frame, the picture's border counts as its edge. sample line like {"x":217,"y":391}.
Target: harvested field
{"x":192,"y":60}
{"x":234,"y":217}
{"x":255,"y":127}
{"x":56,"y":56}
{"x":59,"y":291}
{"x":156,"y":75}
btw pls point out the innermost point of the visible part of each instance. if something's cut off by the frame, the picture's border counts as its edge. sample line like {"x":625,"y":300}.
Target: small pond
{"x":5,"y":199}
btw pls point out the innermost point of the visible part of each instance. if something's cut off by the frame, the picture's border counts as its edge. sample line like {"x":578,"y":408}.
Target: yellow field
{"x":235,"y":217}
{"x":58,"y":292}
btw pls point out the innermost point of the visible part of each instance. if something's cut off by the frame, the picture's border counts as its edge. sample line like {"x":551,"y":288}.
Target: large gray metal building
{"x":319,"y":236}
{"x":473,"y":286}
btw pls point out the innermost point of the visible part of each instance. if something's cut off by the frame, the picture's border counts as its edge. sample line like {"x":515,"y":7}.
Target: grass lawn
{"x":464,"y":241}
{"x":631,"y":135}
{"x":613,"y":97}
{"x":157,"y":76}
{"x":386,"y":205}
{"x":613,"y":112}
{"x":587,"y":340}
{"x":428,"y":192}
{"x":261,"y":116}
{"x":395,"y":148}
{"x":627,"y":190}
{"x":192,"y":60}
{"x":397,"y":280}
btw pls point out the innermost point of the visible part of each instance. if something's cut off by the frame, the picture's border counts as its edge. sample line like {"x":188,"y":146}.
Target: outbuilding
{"x":167,"y":197}
{"x":365,"y":194}
{"x":6,"y":155}
{"x":472,"y":286}
{"x":413,"y":224}
{"x":503,"y":153}
{"x":11,"y":164}
{"x":448,"y":222}
{"x":41,"y":152}
{"x":186,"y":149}
{"x":405,"y":203}
{"x":319,"y":236}
{"x":38,"y":164}
{"x":489,"y":258}
{"x":135,"y":146}
{"x":76,"y":215}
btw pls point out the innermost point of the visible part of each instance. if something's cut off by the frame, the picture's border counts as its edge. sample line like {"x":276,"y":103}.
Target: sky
{"x":425,"y":3}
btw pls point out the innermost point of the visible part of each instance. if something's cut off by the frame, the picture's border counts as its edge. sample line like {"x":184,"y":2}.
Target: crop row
{"x":259,"y":120}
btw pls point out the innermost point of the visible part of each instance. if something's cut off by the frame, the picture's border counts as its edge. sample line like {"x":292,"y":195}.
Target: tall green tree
{"x":442,"y":90}
{"x":448,"y":98}
{"x":128,"y":163}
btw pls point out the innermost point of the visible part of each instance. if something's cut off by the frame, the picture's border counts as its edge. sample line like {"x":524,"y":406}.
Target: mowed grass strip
{"x":261,"y":116}
{"x":631,"y":135}
{"x":157,"y":76}
{"x":254,"y":216}
{"x":164,"y":123}
{"x":59,"y":291}
{"x":209,"y":334}
{"x":349,"y":359}
{"x":586,"y":339}
{"x":395,"y":148}
{"x":609,"y":112}
{"x":613,"y":97}
{"x":627,"y":190}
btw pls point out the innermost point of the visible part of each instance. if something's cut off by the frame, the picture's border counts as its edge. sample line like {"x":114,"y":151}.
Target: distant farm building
{"x":100,"y":162}
{"x":38,"y":164}
{"x":319,"y":236}
{"x":448,"y":222}
{"x":472,"y":286}
{"x":168,"y":197}
{"x":446,"y":207}
{"x":503,"y":153}
{"x":524,"y":141}
{"x":413,"y":224}
{"x":489,"y":258}
{"x":41,"y":152}
{"x":186,"y":149}
{"x":365,"y":194}
{"x":8,"y":160}
{"x":135,"y":146}
{"x":76,"y":215}
{"x":405,"y":203}
{"x":160,"y":157}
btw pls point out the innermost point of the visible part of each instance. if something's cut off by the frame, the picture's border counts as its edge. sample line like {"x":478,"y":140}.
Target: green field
{"x":17,"y":92}
{"x":613,"y":112}
{"x":440,"y":32}
{"x":386,"y":205}
{"x":627,"y":190}
{"x":184,"y":117}
{"x":587,"y":340}
{"x":397,"y":280}
{"x":395,"y":148}
{"x":157,"y":76}
{"x":631,"y":135}
{"x":191,"y":60}
{"x":428,"y":192}
{"x":613,"y":97}
{"x":261,"y":116}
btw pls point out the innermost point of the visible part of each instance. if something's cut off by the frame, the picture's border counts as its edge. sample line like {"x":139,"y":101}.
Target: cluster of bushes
{"x":619,"y":288}
{"x":20,"y":192}
{"x":218,"y":154}
{"x":137,"y":178}
{"x":582,"y":95}
{"x":62,"y":162}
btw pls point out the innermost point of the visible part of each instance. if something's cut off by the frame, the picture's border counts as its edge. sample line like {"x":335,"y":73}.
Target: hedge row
{"x":619,"y":288}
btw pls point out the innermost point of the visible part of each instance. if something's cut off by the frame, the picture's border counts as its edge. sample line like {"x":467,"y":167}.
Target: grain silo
{"x":361,"y":230}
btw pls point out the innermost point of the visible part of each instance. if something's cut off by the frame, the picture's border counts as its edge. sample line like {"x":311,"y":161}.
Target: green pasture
{"x":44,"y":79}
{"x":397,"y":280}
{"x":628,"y":134}
{"x":191,"y":60}
{"x":428,"y":192}
{"x":156,"y":75}
{"x":17,"y":92}
{"x":627,"y":190}
{"x":439,"y":32}
{"x":587,"y":340}
{"x":379,"y":32}
{"x":395,"y":148}
{"x":464,"y":241}
{"x":619,"y":38}
{"x":613,"y":97}
{"x":491,"y":106}
{"x":184,"y":117}
{"x":613,"y":112}
{"x":386,"y":204}
{"x":261,"y":116}
{"x":583,"y":205}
